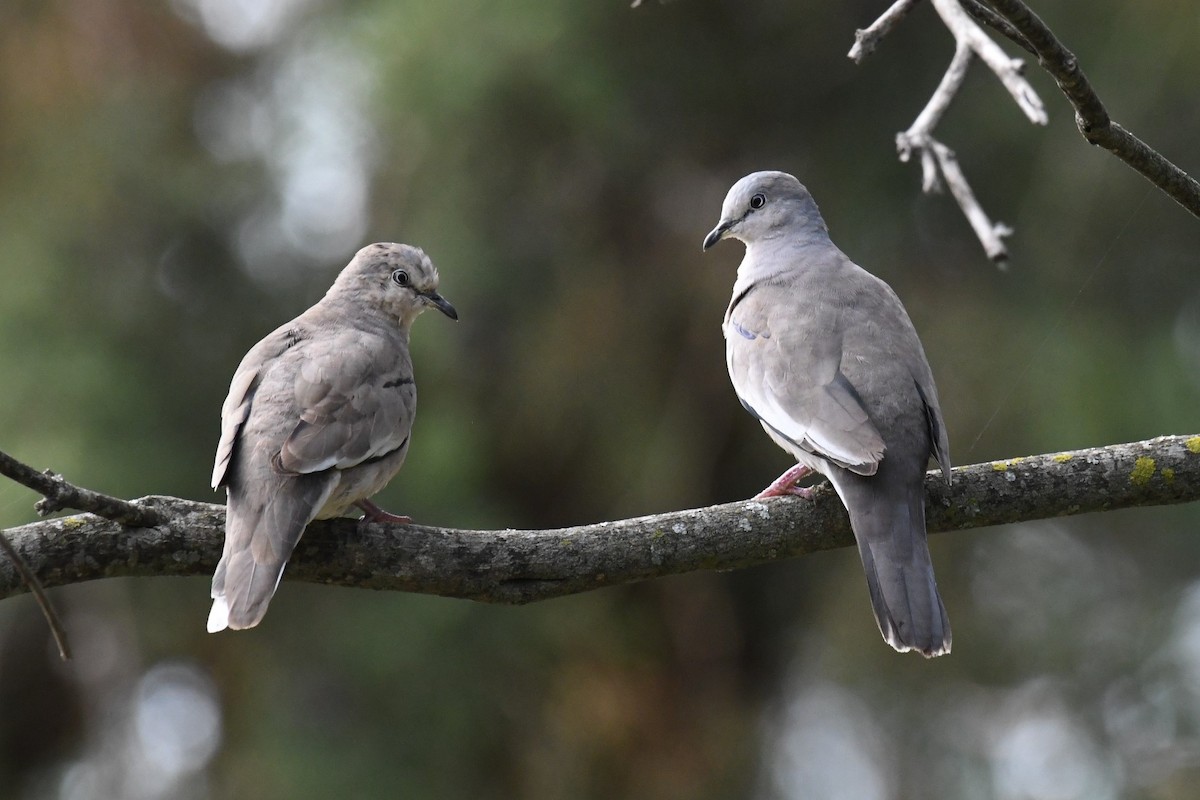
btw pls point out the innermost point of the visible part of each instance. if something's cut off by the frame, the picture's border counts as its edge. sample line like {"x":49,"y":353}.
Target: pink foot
{"x":374,"y":513}
{"x":785,"y":484}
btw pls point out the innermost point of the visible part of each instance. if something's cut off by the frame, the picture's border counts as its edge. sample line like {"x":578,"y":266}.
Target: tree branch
{"x":937,"y":160}
{"x":1090,"y":114}
{"x":1008,"y":70}
{"x":39,"y":596}
{"x":866,"y":39}
{"x":58,"y":495}
{"x":1018,"y":23}
{"x":990,"y":234}
{"x":512,"y":566}
{"x":985,"y":16}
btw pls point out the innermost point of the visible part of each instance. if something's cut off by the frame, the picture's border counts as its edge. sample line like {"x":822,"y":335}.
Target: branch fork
{"x":1015,"y":21}
{"x":57,"y":495}
{"x":939,"y":166}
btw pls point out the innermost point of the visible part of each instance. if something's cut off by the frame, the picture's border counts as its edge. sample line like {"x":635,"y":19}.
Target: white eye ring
{"x":400,"y":277}
{"x":758,"y":201}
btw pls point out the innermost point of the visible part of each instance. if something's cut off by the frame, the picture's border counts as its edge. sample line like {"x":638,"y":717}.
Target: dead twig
{"x":939,"y":166}
{"x":58,"y":494}
{"x":866,"y":39}
{"x":1015,"y":21}
{"x":39,"y":596}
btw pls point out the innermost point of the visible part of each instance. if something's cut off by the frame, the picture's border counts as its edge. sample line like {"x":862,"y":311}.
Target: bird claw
{"x":785,"y":485}
{"x":788,"y":491}
{"x":373,"y":513}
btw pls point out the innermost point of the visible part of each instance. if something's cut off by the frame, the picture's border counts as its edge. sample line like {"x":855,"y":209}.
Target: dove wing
{"x":242,"y":389}
{"x":786,"y":370}
{"x":356,"y":401}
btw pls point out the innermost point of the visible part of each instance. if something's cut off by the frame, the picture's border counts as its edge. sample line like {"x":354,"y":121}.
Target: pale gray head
{"x":763,"y":205}
{"x":397,"y":279}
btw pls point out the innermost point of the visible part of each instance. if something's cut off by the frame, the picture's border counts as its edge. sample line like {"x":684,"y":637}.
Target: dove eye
{"x":400,"y":277}
{"x":758,"y":201}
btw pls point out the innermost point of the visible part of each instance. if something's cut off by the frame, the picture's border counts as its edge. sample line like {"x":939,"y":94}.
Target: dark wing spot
{"x":741,"y":297}
{"x":841,"y":380}
{"x":277,"y":465}
{"x":382,"y":456}
{"x":392,"y":384}
{"x":935,"y":432}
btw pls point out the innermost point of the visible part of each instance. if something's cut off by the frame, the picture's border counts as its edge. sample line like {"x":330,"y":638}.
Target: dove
{"x":824,"y":356}
{"x":317,"y":420}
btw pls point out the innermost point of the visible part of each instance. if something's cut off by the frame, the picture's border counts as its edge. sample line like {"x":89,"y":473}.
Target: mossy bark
{"x":514,"y":566}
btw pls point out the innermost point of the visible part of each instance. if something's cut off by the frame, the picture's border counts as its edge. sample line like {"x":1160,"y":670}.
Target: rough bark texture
{"x":512,"y":566}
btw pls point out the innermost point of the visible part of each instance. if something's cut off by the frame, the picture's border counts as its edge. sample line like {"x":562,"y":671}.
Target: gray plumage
{"x":823,"y":354}
{"x":317,"y":420}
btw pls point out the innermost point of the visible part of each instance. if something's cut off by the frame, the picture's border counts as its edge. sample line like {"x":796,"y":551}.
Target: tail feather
{"x":251,"y":587}
{"x":218,"y":617}
{"x":262,"y":528}
{"x":889,"y":525}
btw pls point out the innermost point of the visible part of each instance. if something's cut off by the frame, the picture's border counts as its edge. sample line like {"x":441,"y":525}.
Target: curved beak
{"x":440,"y":303}
{"x":718,"y":233}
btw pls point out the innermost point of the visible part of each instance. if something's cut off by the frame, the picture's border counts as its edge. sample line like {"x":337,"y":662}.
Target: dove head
{"x":766,"y":205}
{"x":396,"y":279}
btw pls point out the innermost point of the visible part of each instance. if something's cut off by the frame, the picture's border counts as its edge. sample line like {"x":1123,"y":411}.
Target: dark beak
{"x":717,"y":233}
{"x":441,"y":304}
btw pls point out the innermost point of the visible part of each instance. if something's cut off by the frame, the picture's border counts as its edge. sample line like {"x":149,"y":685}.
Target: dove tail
{"x":890,"y":529}
{"x":218,"y":617}
{"x":245,"y":603}
{"x":262,"y":528}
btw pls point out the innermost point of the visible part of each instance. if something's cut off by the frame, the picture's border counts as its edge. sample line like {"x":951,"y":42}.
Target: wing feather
{"x":787,"y":372}
{"x":356,"y":401}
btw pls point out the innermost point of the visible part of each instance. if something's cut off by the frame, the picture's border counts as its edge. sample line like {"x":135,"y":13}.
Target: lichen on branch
{"x":521,"y":566}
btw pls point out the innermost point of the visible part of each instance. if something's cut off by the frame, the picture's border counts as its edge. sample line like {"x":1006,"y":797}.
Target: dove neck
{"x":348,"y":310}
{"x":789,"y":251}
{"x":801,"y":231}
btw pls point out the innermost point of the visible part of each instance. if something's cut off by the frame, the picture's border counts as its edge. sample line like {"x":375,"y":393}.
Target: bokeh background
{"x":178,"y":178}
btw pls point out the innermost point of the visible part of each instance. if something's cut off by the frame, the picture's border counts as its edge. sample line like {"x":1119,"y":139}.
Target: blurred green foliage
{"x":177,"y":179}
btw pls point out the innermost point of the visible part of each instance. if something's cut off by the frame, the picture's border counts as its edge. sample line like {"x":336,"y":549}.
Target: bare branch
{"x":512,"y":566}
{"x":57,"y":495}
{"x":990,"y":234}
{"x":1019,"y":23}
{"x":866,"y":39}
{"x":985,"y":16}
{"x":939,"y":101}
{"x":1008,"y":70}
{"x":938,"y":161}
{"x":39,"y":595}
{"x":1090,"y":114}
{"x":56,"y":492}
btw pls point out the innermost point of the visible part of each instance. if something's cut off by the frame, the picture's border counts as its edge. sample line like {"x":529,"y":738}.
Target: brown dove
{"x":823,"y":354}
{"x":317,"y":420}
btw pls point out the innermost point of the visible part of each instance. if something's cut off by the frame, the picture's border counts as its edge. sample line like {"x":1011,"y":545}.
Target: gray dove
{"x":317,"y":420}
{"x":823,"y":354}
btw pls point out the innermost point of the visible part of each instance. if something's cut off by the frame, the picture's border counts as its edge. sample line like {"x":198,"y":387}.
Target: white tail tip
{"x":218,"y":618}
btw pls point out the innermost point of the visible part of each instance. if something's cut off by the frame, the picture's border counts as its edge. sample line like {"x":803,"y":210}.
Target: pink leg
{"x":785,"y":484}
{"x":374,"y":513}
